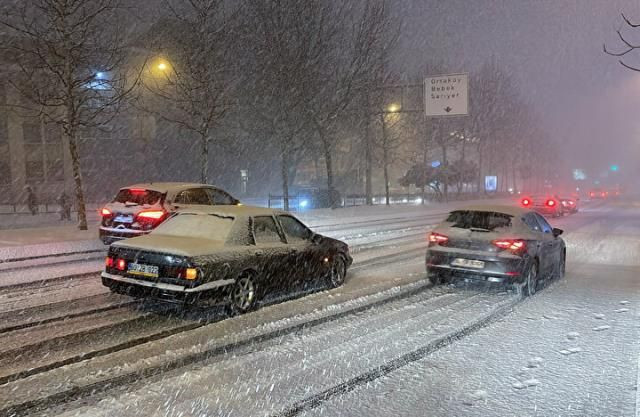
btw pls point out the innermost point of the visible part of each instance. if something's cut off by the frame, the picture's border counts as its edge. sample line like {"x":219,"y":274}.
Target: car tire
{"x":436,"y":278}
{"x":530,"y":284}
{"x":336,"y":276}
{"x":243,"y":295}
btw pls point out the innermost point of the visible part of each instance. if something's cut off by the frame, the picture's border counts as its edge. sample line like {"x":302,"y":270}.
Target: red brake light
{"x":137,"y":190}
{"x":121,"y":264}
{"x":592,"y":194}
{"x":512,"y":245}
{"x":437,"y":239}
{"x":105,"y":212}
{"x":526,"y":202}
{"x":604,"y":194}
{"x":151,"y":214}
{"x":551,"y":203}
{"x":109,"y":262}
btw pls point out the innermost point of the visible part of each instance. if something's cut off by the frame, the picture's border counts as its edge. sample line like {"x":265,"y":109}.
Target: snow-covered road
{"x":384,"y":344}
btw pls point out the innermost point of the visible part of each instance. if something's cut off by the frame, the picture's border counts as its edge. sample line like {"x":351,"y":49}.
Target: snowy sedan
{"x":234,"y":254}
{"x":500,"y":244}
{"x":138,"y":209}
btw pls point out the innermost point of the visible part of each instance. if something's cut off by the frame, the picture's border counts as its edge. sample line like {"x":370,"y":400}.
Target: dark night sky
{"x":553,"y":48}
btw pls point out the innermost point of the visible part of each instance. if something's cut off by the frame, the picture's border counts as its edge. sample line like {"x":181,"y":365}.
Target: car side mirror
{"x":557,"y":232}
{"x":316,"y":239}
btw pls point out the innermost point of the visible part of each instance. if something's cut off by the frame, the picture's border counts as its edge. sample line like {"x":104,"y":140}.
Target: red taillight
{"x":105,"y":212}
{"x":151,"y":214}
{"x":121,"y":264}
{"x":604,"y":194}
{"x":109,"y":262}
{"x":592,"y":194}
{"x":512,"y":245}
{"x":551,"y":203}
{"x":137,"y":190}
{"x":526,"y":202}
{"x":437,"y":239}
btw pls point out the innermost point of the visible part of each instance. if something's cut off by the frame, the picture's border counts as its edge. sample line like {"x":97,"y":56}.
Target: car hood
{"x":176,"y":245}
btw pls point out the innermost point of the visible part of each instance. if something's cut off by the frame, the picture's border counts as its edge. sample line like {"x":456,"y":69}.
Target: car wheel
{"x":243,"y":295}
{"x":436,"y":278}
{"x":337,"y":273}
{"x":530,"y":284}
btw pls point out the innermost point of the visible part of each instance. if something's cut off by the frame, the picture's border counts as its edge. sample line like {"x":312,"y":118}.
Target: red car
{"x":547,"y":205}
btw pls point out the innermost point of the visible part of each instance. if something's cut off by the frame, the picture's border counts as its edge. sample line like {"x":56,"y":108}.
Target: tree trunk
{"x":480,"y":160}
{"x":329,"y":164}
{"x":285,"y":176}
{"x":445,"y":177}
{"x":386,"y":176}
{"x":77,"y":179}
{"x":368,"y":156}
{"x":204,"y":173}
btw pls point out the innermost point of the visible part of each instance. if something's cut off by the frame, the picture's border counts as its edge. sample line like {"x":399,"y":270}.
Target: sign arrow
{"x":448,"y":109}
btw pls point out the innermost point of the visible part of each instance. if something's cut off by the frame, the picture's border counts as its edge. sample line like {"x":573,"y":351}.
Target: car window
{"x":219,"y":198}
{"x":205,"y":226}
{"x":467,"y":219}
{"x":138,"y":196}
{"x":531,"y":222}
{"x":265,"y":230}
{"x":294,"y":229}
{"x":544,"y":225}
{"x":197,"y":196}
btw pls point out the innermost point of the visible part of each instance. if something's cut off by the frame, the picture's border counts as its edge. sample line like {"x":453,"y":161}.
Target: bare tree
{"x":190,"y":77}
{"x":69,"y":57}
{"x":628,"y":48}
{"x":356,"y":42}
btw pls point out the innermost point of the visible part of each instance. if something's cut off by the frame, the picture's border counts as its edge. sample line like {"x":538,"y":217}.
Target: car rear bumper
{"x":496,"y":268}
{"x":164,"y":291}
{"x":109,"y":235}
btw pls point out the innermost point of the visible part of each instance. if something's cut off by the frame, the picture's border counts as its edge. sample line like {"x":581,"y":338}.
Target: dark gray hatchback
{"x":500,"y":244}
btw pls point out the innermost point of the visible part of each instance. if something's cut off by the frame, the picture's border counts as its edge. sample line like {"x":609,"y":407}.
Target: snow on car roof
{"x":166,"y":186}
{"x":234,"y":211}
{"x":497,"y":208}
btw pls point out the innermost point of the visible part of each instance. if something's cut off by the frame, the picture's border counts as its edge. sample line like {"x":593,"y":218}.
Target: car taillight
{"x":105,"y":212}
{"x":437,"y":239}
{"x":109,"y":262}
{"x":151,"y":214}
{"x":592,"y":194}
{"x":551,"y":203}
{"x":513,"y":245}
{"x":604,"y":194}
{"x":121,"y":264}
{"x":526,"y":202}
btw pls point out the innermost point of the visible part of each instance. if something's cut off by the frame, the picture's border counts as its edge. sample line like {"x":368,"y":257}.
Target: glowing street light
{"x":162,"y":66}
{"x":393,"y":108}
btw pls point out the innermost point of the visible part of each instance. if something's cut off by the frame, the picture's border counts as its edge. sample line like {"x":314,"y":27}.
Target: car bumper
{"x":164,"y":291}
{"x":497,"y":269}
{"x":109,"y":235}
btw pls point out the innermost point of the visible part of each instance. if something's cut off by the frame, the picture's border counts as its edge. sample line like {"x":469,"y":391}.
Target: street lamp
{"x":393,"y":108}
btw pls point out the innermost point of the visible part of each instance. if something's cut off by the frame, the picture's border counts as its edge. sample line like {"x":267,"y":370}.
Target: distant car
{"x":311,"y":198}
{"x":598,"y":194}
{"x":233,"y":254}
{"x":547,"y":205}
{"x":138,"y":209}
{"x":499,"y":244}
{"x":569,"y":204}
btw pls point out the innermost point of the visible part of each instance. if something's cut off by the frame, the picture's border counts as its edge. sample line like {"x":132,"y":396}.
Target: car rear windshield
{"x":140,"y":197}
{"x":203,"y":226}
{"x":469,"y":219}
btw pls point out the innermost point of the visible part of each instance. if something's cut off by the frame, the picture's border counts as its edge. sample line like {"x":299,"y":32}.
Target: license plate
{"x":150,"y":271}
{"x":123,"y":219}
{"x":468,"y":263}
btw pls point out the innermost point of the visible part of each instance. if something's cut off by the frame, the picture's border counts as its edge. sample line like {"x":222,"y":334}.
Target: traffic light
{"x":614,"y":167}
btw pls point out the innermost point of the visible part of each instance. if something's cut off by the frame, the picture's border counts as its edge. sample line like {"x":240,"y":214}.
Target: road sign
{"x":446,"y":95}
{"x":490,"y":183}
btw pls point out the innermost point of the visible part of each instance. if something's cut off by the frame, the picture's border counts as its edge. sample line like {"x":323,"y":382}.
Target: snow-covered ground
{"x":572,"y":350}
